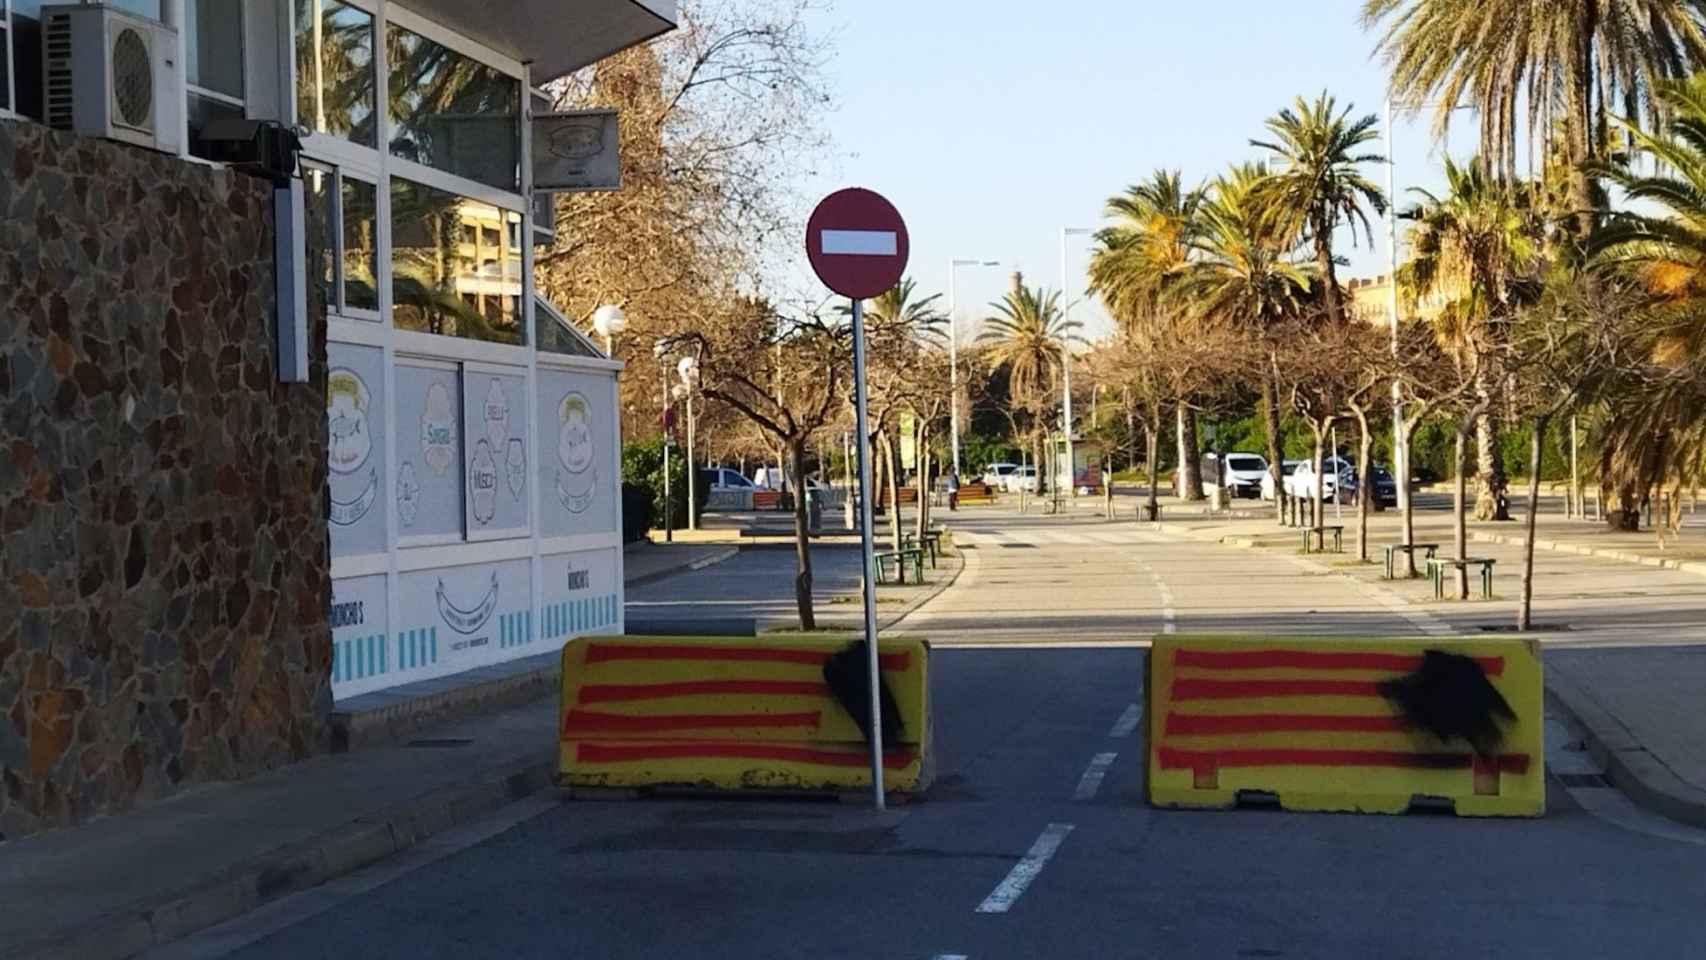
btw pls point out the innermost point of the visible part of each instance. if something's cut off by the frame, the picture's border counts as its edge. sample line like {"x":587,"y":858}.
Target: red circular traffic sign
{"x":857,"y":243}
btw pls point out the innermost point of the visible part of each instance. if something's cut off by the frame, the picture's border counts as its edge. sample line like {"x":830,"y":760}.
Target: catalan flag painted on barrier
{"x":1310,"y":722}
{"x":735,"y":713}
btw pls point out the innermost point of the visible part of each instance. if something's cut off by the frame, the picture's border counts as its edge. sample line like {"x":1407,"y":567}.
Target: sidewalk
{"x":116,"y":886}
{"x":1625,"y":638}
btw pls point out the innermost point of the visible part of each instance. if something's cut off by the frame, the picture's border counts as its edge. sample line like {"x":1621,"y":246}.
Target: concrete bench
{"x":1320,"y":535}
{"x":1393,"y":549}
{"x":1438,"y":565}
{"x":900,"y":559}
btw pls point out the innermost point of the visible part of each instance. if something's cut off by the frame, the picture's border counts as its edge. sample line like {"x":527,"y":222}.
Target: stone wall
{"x":164,"y":577}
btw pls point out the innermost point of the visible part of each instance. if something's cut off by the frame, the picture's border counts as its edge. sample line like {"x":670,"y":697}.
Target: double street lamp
{"x":954,"y":355}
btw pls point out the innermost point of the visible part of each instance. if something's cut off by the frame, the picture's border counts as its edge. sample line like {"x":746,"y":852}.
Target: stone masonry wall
{"x":164,"y":572}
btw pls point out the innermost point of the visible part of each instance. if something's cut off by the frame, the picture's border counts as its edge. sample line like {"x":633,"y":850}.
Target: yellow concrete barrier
{"x":1346,"y":724}
{"x":736,"y":713}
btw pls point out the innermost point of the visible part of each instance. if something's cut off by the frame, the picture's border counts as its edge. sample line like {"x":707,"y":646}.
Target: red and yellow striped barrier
{"x":731,"y":714}
{"x":1312,"y":722}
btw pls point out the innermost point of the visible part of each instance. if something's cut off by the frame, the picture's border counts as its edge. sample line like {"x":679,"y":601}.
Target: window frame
{"x":8,"y":104}
{"x":244,"y":12}
{"x":337,"y":305}
{"x":511,"y":68}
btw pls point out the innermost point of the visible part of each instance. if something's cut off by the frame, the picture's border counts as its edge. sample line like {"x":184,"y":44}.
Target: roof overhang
{"x":555,"y":37}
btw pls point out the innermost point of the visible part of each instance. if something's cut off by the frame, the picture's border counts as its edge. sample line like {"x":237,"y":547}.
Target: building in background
{"x":276,"y":445}
{"x":1371,"y":301}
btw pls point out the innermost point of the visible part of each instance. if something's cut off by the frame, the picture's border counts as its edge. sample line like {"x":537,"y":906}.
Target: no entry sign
{"x":857,"y":243}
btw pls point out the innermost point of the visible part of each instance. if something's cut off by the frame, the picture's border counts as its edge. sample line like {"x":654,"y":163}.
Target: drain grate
{"x":1575,"y":780}
{"x":1019,"y":546}
{"x":440,"y":743}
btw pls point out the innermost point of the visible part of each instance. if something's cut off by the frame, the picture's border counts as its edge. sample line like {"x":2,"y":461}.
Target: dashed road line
{"x":1008,"y":892}
{"x":1093,"y":776}
{"x":1127,"y":722}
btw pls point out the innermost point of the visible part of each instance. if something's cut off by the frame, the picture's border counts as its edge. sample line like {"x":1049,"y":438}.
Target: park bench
{"x":930,"y":542}
{"x":900,"y":559}
{"x":1393,"y":549}
{"x":1320,"y":533}
{"x":767,"y":500}
{"x":1147,"y":512}
{"x":1438,"y":565}
{"x":976,"y":493}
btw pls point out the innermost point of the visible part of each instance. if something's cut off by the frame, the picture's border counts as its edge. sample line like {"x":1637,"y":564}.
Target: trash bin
{"x":814,"y":510}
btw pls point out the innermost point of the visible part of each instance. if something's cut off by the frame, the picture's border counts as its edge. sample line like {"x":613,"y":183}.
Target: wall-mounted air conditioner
{"x":108,"y":73}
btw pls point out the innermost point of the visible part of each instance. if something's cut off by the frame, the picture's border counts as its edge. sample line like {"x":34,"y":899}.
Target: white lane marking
{"x":1002,"y":898}
{"x":949,"y":956}
{"x":1113,"y":538}
{"x":859,"y":243}
{"x":1127,"y":722}
{"x":1093,"y":774}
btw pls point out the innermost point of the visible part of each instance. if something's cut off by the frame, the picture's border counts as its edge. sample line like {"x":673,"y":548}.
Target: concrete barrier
{"x":748,"y":713}
{"x":1343,"y":724}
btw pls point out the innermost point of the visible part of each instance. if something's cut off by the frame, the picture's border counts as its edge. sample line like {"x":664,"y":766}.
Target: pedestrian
{"x":953,"y":489}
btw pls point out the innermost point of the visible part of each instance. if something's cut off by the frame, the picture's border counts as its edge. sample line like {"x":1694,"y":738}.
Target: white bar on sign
{"x":859,"y":243}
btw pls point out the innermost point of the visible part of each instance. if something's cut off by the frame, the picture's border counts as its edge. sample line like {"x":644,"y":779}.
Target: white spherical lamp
{"x":688,"y":367}
{"x":609,"y":320}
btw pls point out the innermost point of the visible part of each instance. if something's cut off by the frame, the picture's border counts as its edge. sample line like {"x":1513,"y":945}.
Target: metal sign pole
{"x":867,"y":558}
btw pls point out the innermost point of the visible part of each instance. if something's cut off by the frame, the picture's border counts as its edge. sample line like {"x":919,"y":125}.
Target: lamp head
{"x":609,"y":320}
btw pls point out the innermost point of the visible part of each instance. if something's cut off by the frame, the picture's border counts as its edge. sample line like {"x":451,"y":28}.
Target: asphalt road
{"x":1019,"y":850}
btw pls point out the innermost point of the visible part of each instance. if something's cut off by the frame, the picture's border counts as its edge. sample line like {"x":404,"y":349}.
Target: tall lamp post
{"x":1066,"y":363}
{"x":661,"y":352}
{"x":609,"y":321}
{"x":954,"y":355}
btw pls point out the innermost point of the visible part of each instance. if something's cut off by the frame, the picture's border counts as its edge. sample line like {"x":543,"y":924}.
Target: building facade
{"x":275,"y":446}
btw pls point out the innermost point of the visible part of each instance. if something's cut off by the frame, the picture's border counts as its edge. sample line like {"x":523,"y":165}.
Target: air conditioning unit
{"x":108,"y":73}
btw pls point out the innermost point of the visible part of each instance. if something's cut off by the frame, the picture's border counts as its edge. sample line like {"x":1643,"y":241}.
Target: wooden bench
{"x":1393,"y":549}
{"x":1438,"y":565}
{"x":900,"y":558}
{"x":1320,"y":533}
{"x":767,"y":500}
{"x":976,"y":493}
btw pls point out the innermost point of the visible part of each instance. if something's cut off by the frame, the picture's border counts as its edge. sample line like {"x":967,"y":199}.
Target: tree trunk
{"x":1491,"y":501}
{"x":1152,"y":441}
{"x":802,"y":541}
{"x":1324,"y":262}
{"x":1578,"y":87}
{"x":1365,"y":483}
{"x":891,"y":459}
{"x":1406,"y":497}
{"x":1525,"y":613}
{"x":1188,"y":474}
{"x":1459,"y":522}
{"x":1318,"y":496}
{"x":1271,"y":423}
{"x":923,"y":480}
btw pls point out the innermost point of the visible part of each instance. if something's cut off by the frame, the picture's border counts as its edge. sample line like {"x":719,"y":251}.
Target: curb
{"x":1695,"y":567}
{"x":1641,"y":776}
{"x":698,"y":564}
{"x":884,"y":622}
{"x":334,"y":853}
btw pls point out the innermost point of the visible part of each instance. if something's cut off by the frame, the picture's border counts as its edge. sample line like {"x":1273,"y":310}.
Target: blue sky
{"x":993,"y":124}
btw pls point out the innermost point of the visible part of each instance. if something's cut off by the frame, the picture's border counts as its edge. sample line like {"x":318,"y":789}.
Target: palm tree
{"x":1029,"y":335}
{"x":1478,"y":248}
{"x":1657,"y":419}
{"x":1243,"y":276}
{"x":1137,"y":258}
{"x":1561,"y":59}
{"x":1318,"y":184}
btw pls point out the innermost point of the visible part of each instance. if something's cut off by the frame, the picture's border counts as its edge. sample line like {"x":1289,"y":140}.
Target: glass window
{"x":441,"y":280}
{"x":213,"y":46}
{"x":453,"y":113}
{"x":335,"y":82}
{"x":360,"y":244}
{"x":319,"y":201}
{"x":5,"y":60}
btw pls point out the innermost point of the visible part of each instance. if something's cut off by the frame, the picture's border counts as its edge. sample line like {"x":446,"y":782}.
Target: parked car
{"x":1338,"y":478}
{"x":723,"y":480}
{"x":769,"y":478}
{"x":1287,"y":468}
{"x":995,"y":474}
{"x":1021,"y":478}
{"x":1244,"y":473}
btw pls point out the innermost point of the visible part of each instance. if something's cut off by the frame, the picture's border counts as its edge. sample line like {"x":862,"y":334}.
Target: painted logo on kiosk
{"x":349,"y":446}
{"x":577,"y":479}
{"x":466,"y":620}
{"x":438,"y":430}
{"x":483,"y":483}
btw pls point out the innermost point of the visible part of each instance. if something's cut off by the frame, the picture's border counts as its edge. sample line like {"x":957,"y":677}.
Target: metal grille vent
{"x":56,"y":54}
{"x":133,"y":80}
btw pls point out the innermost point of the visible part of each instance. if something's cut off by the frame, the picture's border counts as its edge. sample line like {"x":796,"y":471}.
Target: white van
{"x":996,"y":474}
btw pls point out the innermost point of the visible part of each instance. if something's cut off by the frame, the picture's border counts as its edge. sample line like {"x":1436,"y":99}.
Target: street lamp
{"x":661,"y":351}
{"x":688,"y":367}
{"x":609,"y":321}
{"x":1066,"y":362}
{"x":954,"y":355}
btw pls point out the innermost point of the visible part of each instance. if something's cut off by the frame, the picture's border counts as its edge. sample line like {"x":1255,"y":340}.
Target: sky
{"x":992,"y":125}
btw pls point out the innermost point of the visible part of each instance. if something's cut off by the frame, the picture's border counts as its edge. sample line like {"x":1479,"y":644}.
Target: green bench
{"x":1393,"y":549}
{"x":1438,"y":565}
{"x":932,"y":542}
{"x":1320,"y":535}
{"x":900,"y":559}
